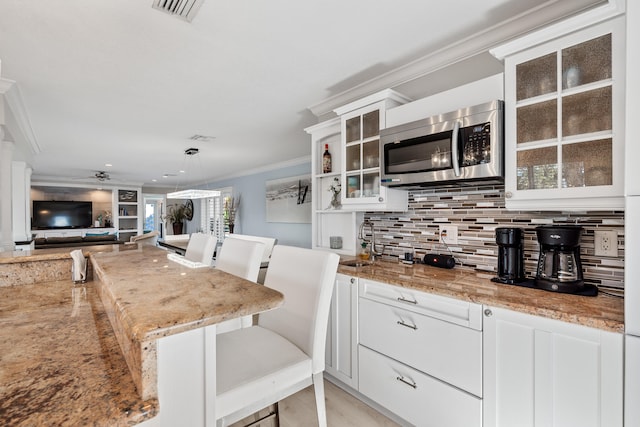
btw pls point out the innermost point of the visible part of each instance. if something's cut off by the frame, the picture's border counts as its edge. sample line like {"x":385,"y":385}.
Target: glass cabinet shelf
{"x":362,"y":153}
{"x":564,"y":139}
{"x":552,"y":118}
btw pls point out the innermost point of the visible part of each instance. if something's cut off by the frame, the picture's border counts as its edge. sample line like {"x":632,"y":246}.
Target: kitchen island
{"x":135,"y":344}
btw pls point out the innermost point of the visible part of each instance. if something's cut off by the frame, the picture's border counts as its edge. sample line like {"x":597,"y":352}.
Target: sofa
{"x":73,"y":241}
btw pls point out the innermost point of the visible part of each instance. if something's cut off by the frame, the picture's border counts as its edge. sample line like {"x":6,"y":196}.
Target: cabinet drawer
{"x":449,"y":309}
{"x":414,"y":396}
{"x":449,"y":352}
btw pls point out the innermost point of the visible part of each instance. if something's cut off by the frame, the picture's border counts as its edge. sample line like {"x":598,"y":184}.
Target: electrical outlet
{"x":449,"y":234}
{"x":606,"y":242}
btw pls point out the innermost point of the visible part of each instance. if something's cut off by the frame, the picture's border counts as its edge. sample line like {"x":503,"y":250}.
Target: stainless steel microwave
{"x":463,"y":146}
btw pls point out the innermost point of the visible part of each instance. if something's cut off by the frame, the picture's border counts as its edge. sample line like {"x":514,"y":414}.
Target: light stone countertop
{"x":147,"y":297}
{"x":60,"y":363}
{"x":602,"y":312}
{"x":86,"y":355}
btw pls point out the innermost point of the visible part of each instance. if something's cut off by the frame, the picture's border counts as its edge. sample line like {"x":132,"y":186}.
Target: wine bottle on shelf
{"x":326,"y":160}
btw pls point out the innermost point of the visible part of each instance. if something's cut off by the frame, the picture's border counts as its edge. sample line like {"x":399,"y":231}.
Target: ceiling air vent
{"x":202,"y":138}
{"x":185,"y":9}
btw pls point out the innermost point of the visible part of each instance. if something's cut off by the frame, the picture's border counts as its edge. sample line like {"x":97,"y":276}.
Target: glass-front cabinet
{"x":361,"y":122}
{"x":334,"y":228}
{"x":565,"y":121}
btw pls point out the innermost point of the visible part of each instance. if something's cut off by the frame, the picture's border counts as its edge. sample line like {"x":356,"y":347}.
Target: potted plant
{"x":177,"y":214}
{"x":230,"y":210}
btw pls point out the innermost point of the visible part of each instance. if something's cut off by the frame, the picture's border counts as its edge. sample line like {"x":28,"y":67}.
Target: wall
{"x":477,"y":211}
{"x":251,"y":217}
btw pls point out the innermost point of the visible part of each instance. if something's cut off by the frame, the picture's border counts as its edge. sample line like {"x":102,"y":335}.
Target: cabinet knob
{"x":381,"y":199}
{"x":353,"y":280}
{"x":508,"y":194}
{"x":488,"y":312}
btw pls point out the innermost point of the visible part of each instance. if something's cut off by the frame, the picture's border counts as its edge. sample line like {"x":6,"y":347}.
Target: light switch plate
{"x":449,"y":234}
{"x":605,"y":243}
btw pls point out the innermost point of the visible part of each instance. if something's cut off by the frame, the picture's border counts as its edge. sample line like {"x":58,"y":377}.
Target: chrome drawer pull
{"x":403,"y":299}
{"x":409,"y":382}
{"x":401,"y":322}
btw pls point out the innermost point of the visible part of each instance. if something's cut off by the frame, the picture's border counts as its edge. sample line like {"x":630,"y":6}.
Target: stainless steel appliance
{"x":559,"y":266}
{"x":466,"y":145}
{"x":510,"y":255}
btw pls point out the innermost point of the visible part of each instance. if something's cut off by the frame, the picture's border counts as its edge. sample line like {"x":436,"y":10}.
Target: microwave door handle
{"x":454,"y":148}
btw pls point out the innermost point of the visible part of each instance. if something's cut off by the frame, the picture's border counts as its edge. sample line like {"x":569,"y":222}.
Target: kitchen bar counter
{"x":60,"y":363}
{"x":602,"y":312}
{"x":15,"y":257}
{"x":87,"y":354}
{"x":148,"y":297}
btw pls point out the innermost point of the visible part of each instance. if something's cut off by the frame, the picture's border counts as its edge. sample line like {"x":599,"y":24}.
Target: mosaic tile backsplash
{"x":477,"y":212}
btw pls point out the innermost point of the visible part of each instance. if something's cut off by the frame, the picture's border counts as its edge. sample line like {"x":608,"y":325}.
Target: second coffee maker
{"x":510,"y":255}
{"x":559,"y":265}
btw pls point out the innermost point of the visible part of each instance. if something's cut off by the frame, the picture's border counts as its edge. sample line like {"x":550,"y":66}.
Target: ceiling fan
{"x":99,"y":175}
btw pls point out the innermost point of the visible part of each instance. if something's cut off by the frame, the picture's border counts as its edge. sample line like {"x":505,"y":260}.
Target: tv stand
{"x":71,"y":232}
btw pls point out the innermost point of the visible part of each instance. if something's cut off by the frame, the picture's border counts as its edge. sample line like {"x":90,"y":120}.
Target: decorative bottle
{"x":326,"y":160}
{"x":364,"y":252}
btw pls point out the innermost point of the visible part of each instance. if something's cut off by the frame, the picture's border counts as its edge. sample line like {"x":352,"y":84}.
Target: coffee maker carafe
{"x":510,"y":255}
{"x":559,"y":266}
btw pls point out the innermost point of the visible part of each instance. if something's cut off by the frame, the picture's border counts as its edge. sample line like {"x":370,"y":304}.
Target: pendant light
{"x":193,"y":193}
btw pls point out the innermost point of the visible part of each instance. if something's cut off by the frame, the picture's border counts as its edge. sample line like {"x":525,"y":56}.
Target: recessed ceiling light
{"x":108,"y":165}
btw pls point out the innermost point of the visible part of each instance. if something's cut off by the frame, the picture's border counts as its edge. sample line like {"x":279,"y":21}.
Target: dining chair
{"x":150,"y":238}
{"x":284,"y":353}
{"x":241,"y":258}
{"x":200,"y":248}
{"x":269,"y":242}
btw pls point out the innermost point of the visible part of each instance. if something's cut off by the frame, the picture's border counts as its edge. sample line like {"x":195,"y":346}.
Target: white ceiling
{"x":122,"y":83}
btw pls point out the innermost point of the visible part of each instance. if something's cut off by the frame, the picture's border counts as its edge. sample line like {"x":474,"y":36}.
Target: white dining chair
{"x":269,"y":242}
{"x":200,"y":248}
{"x":150,"y":238}
{"x":241,"y":258}
{"x":284,"y":353}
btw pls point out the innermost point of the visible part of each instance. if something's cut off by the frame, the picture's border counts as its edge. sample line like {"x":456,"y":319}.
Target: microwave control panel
{"x":476,"y":144}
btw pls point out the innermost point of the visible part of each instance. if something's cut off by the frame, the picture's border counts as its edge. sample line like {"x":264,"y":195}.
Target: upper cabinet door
{"x":361,"y":123}
{"x":564,"y":119}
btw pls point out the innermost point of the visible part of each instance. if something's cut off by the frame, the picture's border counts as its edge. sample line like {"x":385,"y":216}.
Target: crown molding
{"x":267,"y":168}
{"x":11,"y":94}
{"x":546,"y":13}
{"x":588,"y":18}
{"x":44,"y":181}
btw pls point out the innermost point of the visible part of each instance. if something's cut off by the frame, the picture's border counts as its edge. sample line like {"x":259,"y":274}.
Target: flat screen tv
{"x":61,"y":214}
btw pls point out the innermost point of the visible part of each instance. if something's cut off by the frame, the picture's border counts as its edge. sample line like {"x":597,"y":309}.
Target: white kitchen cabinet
{"x":418,"y":398}
{"x":128,"y":212}
{"x":543,"y":372}
{"x":361,"y":122}
{"x":327,"y":221}
{"x":342,"y":343}
{"x":420,"y":355}
{"x":564,"y":118}
{"x":632,"y":106}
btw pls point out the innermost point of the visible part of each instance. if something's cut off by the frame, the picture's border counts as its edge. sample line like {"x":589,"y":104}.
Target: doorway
{"x":154,"y":210}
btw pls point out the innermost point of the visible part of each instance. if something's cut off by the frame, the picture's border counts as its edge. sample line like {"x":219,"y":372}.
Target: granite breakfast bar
{"x":155,"y":354}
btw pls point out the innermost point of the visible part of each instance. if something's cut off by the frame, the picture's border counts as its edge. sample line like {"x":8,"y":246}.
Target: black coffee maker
{"x":559,"y":266}
{"x":510,"y":255}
